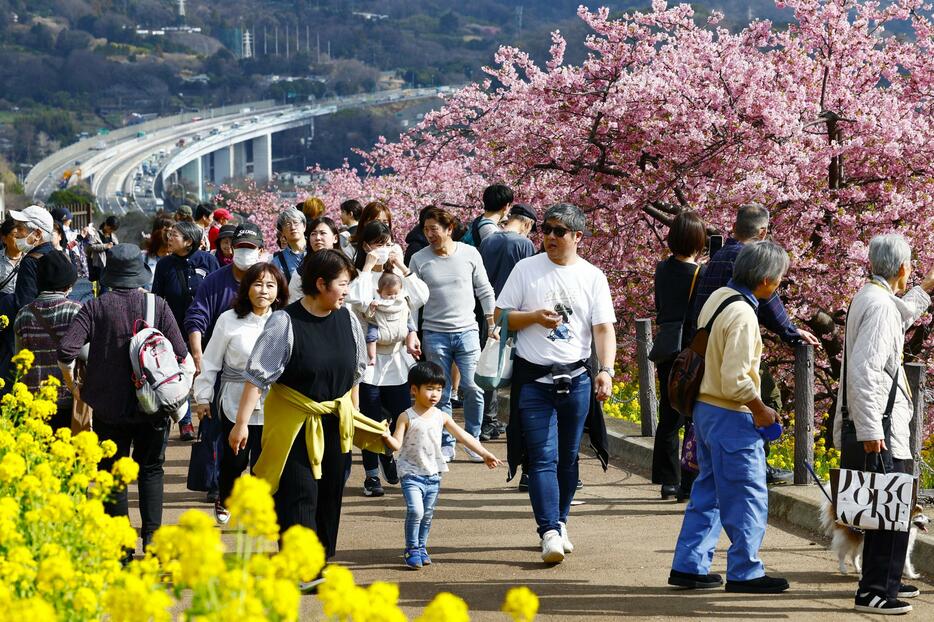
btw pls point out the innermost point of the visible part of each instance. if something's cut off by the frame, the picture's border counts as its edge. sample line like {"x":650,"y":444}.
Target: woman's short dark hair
{"x":203,"y":210}
{"x":242,"y":305}
{"x":376,"y":232}
{"x":688,"y":234}
{"x":111,"y":221}
{"x":157,"y":234}
{"x":326,"y":264}
{"x":443,"y":217}
{"x":352,"y":207}
{"x":325,"y":220}
{"x":426,"y":373}
{"x":6,"y":228}
{"x":190,"y":232}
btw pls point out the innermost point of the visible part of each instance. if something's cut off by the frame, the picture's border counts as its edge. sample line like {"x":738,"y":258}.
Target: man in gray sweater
{"x":455,"y":275}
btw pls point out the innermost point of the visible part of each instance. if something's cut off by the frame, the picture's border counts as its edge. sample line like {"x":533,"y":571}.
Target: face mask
{"x":23,"y":244}
{"x":382,"y":254}
{"x":243,"y":258}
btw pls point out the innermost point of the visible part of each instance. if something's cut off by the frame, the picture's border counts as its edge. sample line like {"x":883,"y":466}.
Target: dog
{"x":847,"y":542}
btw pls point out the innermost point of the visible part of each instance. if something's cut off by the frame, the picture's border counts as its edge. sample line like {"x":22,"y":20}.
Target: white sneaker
{"x":552,"y":547}
{"x":473,"y":456}
{"x":565,"y":540}
{"x":447,"y":452}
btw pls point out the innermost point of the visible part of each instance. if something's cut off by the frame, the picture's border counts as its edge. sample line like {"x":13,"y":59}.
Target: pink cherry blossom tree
{"x":827,"y":122}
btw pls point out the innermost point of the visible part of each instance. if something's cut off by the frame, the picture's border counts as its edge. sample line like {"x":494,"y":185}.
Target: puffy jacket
{"x":875,"y":340}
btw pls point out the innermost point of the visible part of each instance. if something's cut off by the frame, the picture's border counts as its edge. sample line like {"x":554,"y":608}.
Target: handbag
{"x":667,"y":343}
{"x":869,"y":500}
{"x":202,"y":468}
{"x":689,"y":449}
{"x":494,"y":367}
{"x":687,"y":371}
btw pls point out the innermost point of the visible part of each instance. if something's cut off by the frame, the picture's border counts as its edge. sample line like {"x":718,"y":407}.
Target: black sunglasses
{"x":559,"y":232}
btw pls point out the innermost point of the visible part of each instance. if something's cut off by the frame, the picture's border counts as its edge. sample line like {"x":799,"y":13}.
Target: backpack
{"x":161,"y":383}
{"x":472,"y":236}
{"x":687,"y":370}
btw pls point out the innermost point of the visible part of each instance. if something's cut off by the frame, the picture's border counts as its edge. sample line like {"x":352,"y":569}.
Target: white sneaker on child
{"x":565,"y":540}
{"x":473,"y":456}
{"x":552,"y":547}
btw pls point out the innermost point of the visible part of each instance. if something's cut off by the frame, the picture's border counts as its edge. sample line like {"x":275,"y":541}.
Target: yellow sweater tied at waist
{"x":286,"y":410}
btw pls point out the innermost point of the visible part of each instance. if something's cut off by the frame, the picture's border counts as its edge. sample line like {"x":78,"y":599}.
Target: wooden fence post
{"x":648,"y":402}
{"x":804,"y":411}
{"x":916,"y":372}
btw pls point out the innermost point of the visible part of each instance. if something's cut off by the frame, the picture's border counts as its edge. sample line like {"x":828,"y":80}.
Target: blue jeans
{"x":421,"y":494}
{"x":552,"y":426}
{"x":729,"y":491}
{"x":463,"y":349}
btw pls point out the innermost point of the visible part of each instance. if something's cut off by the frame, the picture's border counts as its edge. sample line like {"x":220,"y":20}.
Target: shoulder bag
{"x":687,"y":371}
{"x":494,"y":367}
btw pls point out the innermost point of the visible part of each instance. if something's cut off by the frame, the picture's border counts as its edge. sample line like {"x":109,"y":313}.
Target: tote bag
{"x":494,"y":368}
{"x":873,"y":501}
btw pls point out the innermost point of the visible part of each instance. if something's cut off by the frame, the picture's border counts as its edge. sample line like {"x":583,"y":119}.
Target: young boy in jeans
{"x":417,"y":441}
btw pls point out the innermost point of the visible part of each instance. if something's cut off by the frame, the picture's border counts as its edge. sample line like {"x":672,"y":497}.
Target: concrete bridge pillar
{"x":223,"y":164}
{"x":262,"y":158}
{"x":192,"y":173}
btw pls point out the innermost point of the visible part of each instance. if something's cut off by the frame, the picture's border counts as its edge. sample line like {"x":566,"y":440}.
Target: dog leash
{"x":818,"y":482}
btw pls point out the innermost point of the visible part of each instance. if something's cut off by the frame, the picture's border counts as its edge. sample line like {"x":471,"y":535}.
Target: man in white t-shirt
{"x":560,"y":305}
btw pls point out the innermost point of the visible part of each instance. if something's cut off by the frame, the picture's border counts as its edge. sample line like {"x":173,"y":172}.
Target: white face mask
{"x":243,"y":258}
{"x":23,"y":244}
{"x":382,"y":254}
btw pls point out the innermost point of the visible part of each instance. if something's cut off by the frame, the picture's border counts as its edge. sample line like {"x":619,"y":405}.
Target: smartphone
{"x":716,"y":243}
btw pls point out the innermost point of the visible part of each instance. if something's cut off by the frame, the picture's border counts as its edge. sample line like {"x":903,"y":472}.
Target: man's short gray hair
{"x":288,"y":215}
{"x":888,"y":253}
{"x":750,"y":220}
{"x":758,"y":262}
{"x":568,"y":215}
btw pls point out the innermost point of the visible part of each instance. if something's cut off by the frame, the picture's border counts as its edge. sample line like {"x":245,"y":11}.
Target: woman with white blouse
{"x":262,"y":290}
{"x":384,"y":387}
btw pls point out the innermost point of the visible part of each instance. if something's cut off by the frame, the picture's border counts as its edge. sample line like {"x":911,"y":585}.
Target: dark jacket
{"x":524,"y":372}
{"x":27,"y":289}
{"x":177,"y":280}
{"x":414,"y":242}
{"x":215,"y":296}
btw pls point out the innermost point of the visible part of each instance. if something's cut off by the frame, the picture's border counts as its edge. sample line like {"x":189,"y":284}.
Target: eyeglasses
{"x":559,"y":232}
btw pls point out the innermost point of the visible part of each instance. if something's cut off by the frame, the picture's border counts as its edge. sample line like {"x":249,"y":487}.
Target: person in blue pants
{"x":730,"y":490}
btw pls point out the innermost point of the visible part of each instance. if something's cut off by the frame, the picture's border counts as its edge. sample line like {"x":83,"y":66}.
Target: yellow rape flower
{"x":252,"y":509}
{"x":521,"y":603}
{"x":445,"y":607}
{"x":301,"y":557}
{"x":4,"y":322}
{"x":12,"y":467}
{"x":336,"y":593}
{"x":23,"y":361}
{"x":125,"y":470}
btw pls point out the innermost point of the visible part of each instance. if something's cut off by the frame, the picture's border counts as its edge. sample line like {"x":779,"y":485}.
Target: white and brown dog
{"x":847,"y":542}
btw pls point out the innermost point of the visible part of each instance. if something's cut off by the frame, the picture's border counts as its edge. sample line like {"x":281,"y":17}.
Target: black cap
{"x":520,"y":209}
{"x":227,"y":231}
{"x":248,"y":233}
{"x":125,"y":268}
{"x":56,"y":273}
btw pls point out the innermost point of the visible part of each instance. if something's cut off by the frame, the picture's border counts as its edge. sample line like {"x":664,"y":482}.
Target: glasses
{"x":559,"y":232}
{"x":294,"y":224}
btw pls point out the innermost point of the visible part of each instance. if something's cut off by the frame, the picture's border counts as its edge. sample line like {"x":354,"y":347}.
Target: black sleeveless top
{"x":324,"y":354}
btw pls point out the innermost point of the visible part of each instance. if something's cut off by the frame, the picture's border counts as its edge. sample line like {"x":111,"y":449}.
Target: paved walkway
{"x":483,"y":542}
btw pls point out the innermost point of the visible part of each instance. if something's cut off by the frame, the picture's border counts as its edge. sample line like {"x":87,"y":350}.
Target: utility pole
{"x":287,"y":40}
{"x":308,"y":39}
{"x":519,"y":10}
{"x":317,"y":48}
{"x":265,"y":39}
{"x":277,"y":39}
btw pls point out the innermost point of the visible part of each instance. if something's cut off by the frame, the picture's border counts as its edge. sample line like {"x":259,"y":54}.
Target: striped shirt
{"x":32,"y":335}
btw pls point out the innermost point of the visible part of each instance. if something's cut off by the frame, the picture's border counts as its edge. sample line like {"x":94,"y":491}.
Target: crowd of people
{"x":334,"y":336}
{"x":329,"y":337}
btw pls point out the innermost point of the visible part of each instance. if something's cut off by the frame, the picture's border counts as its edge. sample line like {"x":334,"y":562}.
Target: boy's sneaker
{"x":388,"y":464}
{"x":565,"y":541}
{"x":413,"y":558}
{"x":221,"y":515}
{"x":426,"y":561}
{"x":908,"y":591}
{"x":447,"y":452}
{"x":473,"y":456}
{"x":876,"y":603}
{"x":552,"y":547}
{"x":372,"y":487}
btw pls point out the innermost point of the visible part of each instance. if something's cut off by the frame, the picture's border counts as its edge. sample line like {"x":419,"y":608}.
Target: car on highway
{"x":215,"y":131}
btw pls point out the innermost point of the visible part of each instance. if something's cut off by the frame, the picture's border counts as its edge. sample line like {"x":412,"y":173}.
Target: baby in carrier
{"x":387,"y":318}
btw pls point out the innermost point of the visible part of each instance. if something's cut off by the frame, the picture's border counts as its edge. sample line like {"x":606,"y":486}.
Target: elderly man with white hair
{"x":874,"y":407}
